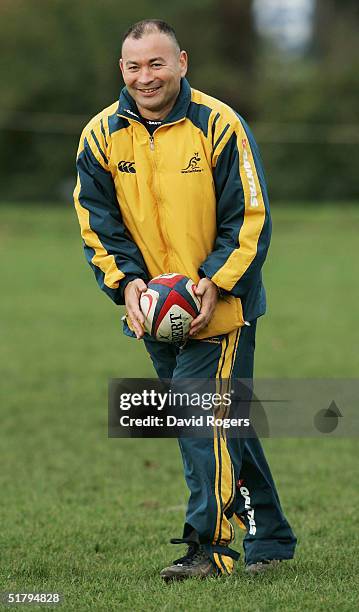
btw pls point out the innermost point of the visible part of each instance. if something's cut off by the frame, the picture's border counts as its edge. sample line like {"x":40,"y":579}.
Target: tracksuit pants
{"x":228,"y":478}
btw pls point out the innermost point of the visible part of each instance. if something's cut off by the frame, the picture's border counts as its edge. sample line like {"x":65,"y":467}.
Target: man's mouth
{"x":149,"y":90}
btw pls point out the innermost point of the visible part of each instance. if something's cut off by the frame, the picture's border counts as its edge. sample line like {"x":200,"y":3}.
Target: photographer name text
{"x":173,"y":421}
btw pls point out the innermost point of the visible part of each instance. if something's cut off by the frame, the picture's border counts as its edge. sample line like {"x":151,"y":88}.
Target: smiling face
{"x":152,"y":67}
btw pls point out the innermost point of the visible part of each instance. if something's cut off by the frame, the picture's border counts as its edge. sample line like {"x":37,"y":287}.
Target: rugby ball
{"x":169,"y":306}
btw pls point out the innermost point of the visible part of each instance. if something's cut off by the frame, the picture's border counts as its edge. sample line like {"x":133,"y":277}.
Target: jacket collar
{"x":128,"y":108}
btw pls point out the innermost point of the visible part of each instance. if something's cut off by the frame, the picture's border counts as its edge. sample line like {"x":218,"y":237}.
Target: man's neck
{"x":155,"y":115}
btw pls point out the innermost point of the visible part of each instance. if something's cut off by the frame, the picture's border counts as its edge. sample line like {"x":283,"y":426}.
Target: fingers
{"x":209,"y":296}
{"x":137,"y":320}
{"x":133,"y":293}
{"x":141,"y":285}
{"x":200,"y":289}
{"x":203,"y":318}
{"x":197,"y":324}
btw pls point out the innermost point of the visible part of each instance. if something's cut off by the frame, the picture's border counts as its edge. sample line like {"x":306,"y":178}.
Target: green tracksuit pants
{"x":228,"y":478}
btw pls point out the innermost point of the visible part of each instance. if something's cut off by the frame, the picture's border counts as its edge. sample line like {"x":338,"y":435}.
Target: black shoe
{"x":195,"y":564}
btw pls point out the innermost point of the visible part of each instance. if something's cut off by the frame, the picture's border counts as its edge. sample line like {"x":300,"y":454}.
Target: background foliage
{"x":59,"y":67}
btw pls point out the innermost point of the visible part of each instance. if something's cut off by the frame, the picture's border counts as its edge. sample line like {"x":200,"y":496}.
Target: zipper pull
{"x":152,"y":143}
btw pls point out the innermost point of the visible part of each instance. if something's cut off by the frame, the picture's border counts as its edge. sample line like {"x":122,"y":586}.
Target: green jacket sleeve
{"x":243,"y":216}
{"x":110,"y":251}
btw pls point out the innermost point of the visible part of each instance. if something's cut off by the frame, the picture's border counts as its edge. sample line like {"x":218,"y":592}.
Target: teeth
{"x":149,"y":90}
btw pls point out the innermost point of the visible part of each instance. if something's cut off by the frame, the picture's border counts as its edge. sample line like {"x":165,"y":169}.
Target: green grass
{"x":90,"y":517}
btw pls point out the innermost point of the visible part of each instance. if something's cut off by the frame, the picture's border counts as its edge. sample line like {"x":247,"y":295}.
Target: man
{"x":170,"y":180}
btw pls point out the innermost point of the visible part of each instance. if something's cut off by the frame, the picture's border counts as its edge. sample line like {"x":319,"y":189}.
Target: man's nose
{"x":145,"y":75}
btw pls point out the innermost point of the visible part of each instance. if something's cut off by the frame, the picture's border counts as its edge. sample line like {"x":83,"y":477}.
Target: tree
{"x":237,"y":48}
{"x":335,"y":31}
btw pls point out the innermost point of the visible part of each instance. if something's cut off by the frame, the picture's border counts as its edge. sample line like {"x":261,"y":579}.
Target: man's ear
{"x":120,"y":63}
{"x":183,"y":63}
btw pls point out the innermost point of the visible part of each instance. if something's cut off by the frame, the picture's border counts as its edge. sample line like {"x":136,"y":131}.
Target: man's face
{"x":152,"y":68}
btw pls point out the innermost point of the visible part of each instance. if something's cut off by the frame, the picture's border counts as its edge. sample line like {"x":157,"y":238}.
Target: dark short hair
{"x":147,"y":26}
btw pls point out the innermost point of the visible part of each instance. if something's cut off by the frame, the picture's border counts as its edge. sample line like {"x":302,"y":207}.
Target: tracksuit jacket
{"x":189,"y":199}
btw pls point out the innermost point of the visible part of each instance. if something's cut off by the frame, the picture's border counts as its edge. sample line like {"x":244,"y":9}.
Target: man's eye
{"x":132,"y":68}
{"x":156,"y":65}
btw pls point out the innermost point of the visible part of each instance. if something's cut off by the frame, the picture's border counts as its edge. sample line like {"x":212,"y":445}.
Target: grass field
{"x":90,"y":517}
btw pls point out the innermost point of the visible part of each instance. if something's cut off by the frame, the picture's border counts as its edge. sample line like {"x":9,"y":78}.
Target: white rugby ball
{"x":169,"y":306}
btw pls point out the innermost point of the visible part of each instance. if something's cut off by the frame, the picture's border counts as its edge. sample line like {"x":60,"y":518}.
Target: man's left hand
{"x":208,"y":292}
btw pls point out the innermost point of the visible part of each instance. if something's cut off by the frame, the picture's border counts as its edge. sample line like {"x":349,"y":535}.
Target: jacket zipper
{"x":157,"y":198}
{"x":162,"y":226}
{"x":162,"y":229}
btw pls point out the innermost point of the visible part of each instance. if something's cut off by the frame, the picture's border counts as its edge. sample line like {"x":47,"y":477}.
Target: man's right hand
{"x":132,"y":300}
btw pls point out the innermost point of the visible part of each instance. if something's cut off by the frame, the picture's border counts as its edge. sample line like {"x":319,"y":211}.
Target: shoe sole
{"x":260,"y":568}
{"x":171,"y":577}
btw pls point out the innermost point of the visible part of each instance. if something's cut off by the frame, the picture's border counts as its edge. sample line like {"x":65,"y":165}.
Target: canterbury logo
{"x":126,"y":166}
{"x":193,"y":165}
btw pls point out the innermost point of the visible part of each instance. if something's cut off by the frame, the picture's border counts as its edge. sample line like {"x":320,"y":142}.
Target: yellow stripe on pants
{"x":224,"y":478}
